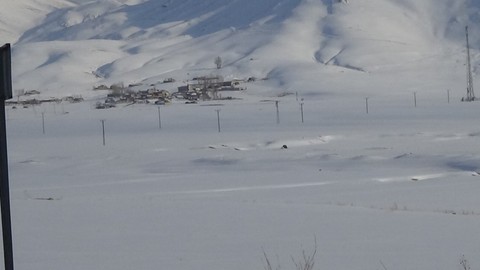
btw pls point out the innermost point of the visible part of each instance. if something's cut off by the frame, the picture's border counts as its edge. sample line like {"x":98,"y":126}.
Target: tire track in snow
{"x":250,"y":188}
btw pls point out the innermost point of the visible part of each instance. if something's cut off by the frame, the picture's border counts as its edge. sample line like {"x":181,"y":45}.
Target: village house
{"x":31,"y":92}
{"x":207,"y":87}
{"x":233,"y":85}
{"x":151,"y":95}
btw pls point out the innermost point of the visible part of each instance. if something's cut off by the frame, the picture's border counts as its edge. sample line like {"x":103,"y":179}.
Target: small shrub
{"x":464,"y":263}
{"x":305,"y":262}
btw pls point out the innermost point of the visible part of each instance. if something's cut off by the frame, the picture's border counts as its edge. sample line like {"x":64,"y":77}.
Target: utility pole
{"x":5,"y":93}
{"x":159,"y":119}
{"x":278,"y":112}
{"x":103,"y":131}
{"x":218,"y":119}
{"x":366,"y":104}
{"x":301,"y":110}
{"x":470,"y":94}
{"x":43,"y":123}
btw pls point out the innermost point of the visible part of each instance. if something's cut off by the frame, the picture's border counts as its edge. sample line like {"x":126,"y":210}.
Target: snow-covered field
{"x":396,"y":188}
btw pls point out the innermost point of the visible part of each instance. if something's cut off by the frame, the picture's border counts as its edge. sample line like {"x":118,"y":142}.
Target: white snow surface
{"x":394,"y":188}
{"x":397,"y":186}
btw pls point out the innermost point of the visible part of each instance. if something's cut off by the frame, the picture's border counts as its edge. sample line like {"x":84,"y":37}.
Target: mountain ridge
{"x":294,"y":43}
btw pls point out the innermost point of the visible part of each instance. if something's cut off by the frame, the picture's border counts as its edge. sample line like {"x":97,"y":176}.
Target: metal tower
{"x":470,"y":95}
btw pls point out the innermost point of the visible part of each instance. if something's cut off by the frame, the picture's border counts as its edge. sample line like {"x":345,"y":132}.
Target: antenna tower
{"x":470,"y":95}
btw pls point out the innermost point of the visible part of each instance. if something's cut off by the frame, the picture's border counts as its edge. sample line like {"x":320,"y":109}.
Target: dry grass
{"x":305,"y":262}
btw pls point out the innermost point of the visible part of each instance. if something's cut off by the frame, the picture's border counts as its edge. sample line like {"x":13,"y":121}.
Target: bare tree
{"x":19,"y":93}
{"x":268,"y":264}
{"x":218,"y":62}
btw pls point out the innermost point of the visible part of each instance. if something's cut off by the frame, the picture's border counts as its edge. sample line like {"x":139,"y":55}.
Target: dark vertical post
{"x":415,"y":99}
{"x":301,"y":110}
{"x":103,"y":131}
{"x":159,"y":119}
{"x":43,"y":123}
{"x":218,"y":119}
{"x":5,"y":93}
{"x":448,"y":95}
{"x":4,"y":194}
{"x":366,"y":104}
{"x":278,"y":112}
{"x":470,"y":94}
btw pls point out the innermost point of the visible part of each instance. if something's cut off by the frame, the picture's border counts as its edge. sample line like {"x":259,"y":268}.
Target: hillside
{"x":18,"y":16}
{"x":314,"y":47}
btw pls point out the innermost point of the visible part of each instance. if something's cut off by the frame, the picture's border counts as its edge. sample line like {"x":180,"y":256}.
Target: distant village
{"x":30,"y":98}
{"x":197,"y":89}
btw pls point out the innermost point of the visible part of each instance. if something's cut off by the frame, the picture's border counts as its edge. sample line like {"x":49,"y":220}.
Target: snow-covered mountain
{"x":65,"y":47}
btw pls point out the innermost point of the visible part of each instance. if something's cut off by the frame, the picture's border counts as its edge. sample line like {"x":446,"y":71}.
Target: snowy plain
{"x":393,"y":188}
{"x":396,"y":186}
